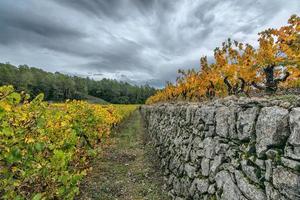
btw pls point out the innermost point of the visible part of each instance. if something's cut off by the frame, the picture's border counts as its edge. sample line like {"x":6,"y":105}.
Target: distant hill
{"x":59,"y":87}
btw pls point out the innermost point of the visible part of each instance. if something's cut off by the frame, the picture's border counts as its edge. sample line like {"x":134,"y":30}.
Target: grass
{"x":127,"y":168}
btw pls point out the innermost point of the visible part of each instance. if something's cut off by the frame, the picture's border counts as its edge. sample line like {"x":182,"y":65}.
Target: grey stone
{"x":206,"y":114}
{"x":252,"y":172}
{"x":186,"y":184}
{"x":225,"y":183}
{"x":235,"y":162}
{"x":260,"y":163}
{"x":216,"y":163}
{"x":197,"y":197}
{"x":197,"y":142}
{"x":209,"y":147}
{"x":194,"y":156}
{"x":190,"y":111}
{"x":232,"y":120}
{"x":221,"y":148}
{"x":272,"y":193}
{"x":268,"y":174}
{"x":294,"y":120}
{"x":190,"y":140}
{"x":271,"y":128}
{"x":246,"y":123}
{"x":180,"y":171}
{"x":286,"y":182}
{"x":201,"y":185}
{"x":211,"y":189}
{"x":231,"y":153}
{"x":250,"y":191}
{"x":198,"y":130}
{"x":205,"y":164}
{"x":190,"y":170}
{"x":176,"y":185}
{"x":292,"y":152}
{"x":222,"y":125}
{"x":200,"y":153}
{"x":174,"y":163}
{"x":210,"y":131}
{"x":171,"y":179}
{"x":291,"y":163}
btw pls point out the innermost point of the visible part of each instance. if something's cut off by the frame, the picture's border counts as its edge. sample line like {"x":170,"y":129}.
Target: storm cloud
{"x":140,"y":41}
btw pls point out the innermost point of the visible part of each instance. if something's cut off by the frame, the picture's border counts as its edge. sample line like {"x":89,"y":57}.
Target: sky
{"x":139,"y":41}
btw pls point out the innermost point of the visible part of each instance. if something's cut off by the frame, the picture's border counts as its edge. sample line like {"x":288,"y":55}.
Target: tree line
{"x":59,"y":87}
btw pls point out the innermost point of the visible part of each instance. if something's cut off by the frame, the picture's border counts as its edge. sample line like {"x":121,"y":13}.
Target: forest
{"x":58,"y":87}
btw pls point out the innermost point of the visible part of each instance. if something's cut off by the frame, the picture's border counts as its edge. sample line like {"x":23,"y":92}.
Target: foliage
{"x":45,"y":148}
{"x":241,"y":68}
{"x":59,"y":87}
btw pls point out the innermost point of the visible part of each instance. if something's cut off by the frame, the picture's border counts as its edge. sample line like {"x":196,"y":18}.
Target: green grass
{"x":126,"y":169}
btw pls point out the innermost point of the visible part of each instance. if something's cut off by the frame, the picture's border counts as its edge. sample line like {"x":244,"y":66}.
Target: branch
{"x":257,"y":86}
{"x":229,"y":87}
{"x":242,"y":85}
{"x":210,"y":90}
{"x":212,"y":85}
{"x":286,"y":75}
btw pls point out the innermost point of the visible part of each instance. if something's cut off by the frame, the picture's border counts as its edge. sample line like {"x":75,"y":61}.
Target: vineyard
{"x":45,"y":148}
{"x":242,"y":69}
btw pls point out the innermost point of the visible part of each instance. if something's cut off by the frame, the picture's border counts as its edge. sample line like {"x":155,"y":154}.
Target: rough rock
{"x":287,"y":182}
{"x":253,"y":173}
{"x":190,"y":170}
{"x":209,"y":147}
{"x":250,"y":191}
{"x":246,"y":123}
{"x":226,"y":184}
{"x":200,"y":185}
{"x":271,"y":128}
{"x":222,"y":124}
{"x":291,"y":163}
{"x":294,"y":120}
{"x":232,"y":148}
{"x":272,"y":193}
{"x":205,"y":163}
{"x":268,"y":174}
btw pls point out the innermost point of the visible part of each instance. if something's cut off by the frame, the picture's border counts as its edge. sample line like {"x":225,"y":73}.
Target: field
{"x":45,"y":149}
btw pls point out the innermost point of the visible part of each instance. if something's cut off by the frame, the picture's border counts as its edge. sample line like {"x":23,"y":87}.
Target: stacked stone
{"x":228,"y":149}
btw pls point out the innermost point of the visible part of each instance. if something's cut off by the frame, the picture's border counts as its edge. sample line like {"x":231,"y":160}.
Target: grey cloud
{"x":113,"y":9}
{"x":140,"y":41}
{"x":95,"y":7}
{"x":20,"y":24}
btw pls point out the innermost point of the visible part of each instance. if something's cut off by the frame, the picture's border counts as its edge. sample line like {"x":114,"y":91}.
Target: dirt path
{"x":127,"y":168}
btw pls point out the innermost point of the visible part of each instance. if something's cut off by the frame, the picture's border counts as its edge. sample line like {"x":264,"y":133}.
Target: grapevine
{"x":45,"y":148}
{"x":240,"y":69}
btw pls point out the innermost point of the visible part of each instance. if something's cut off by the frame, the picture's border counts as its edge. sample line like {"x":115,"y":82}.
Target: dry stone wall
{"x":231,"y":149}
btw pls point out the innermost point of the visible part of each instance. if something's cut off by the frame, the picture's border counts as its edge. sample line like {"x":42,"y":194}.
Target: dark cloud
{"x":98,"y":8}
{"x":26,"y":25}
{"x":139,"y":41}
